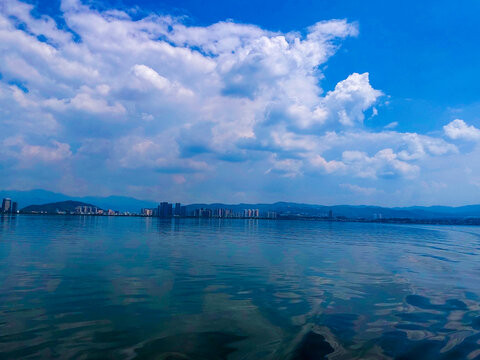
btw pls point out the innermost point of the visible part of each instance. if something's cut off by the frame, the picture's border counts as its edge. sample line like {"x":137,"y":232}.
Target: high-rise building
{"x":271,"y":215}
{"x":6,"y":205}
{"x":249,"y":213}
{"x":178,"y":208}
{"x":146,"y":212}
{"x":164,"y":210}
{"x":183,"y":211}
{"x":14,"y":207}
{"x":219,"y":213}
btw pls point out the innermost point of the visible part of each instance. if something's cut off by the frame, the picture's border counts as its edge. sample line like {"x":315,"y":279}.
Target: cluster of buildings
{"x":271,"y":215}
{"x":89,"y":210}
{"x":224,"y":213}
{"x":93,"y":210}
{"x":378,"y":216}
{"x":229,"y":213}
{"x":9,"y":206}
{"x":168,"y":210}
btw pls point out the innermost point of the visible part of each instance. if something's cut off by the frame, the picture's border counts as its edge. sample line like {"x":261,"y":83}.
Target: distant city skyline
{"x":467,"y":215}
{"x":319,"y":102}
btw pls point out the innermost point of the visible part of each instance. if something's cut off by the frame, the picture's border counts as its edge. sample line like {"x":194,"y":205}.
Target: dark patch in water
{"x":397,"y":345}
{"x":421,"y":317}
{"x":409,"y":327}
{"x":312,"y":347}
{"x":342,"y":325}
{"x":198,"y":346}
{"x":476,"y":323}
{"x":424,"y":303}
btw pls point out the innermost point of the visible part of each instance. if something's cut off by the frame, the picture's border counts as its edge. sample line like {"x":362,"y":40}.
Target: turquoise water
{"x":146,"y":288}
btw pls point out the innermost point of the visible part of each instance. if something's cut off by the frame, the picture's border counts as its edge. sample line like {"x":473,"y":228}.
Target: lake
{"x":145,"y":288}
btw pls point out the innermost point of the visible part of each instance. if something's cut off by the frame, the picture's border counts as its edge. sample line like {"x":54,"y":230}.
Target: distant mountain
{"x":53,"y":208}
{"x":120,"y":203}
{"x":459,"y":211}
{"x":354,"y":211}
{"x":25,"y":198}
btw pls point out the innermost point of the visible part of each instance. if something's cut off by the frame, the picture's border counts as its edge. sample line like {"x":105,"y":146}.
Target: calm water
{"x":142,"y":288}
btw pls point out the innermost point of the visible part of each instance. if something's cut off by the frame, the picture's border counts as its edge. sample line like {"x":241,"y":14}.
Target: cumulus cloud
{"x":27,"y":154}
{"x":331,"y":166}
{"x":159,"y":82}
{"x":108,"y":92}
{"x":459,"y":130}
{"x":385,"y":163}
{"x":351,"y":98}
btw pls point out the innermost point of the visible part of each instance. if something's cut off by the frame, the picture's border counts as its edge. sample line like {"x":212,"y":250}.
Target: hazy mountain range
{"x":67,"y":206}
{"x":356,"y":211}
{"x":123,"y":203}
{"x":40,"y":197}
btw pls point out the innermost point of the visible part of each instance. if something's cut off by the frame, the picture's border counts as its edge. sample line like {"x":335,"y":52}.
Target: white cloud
{"x":87,"y":102}
{"x":160,"y":82}
{"x":420,"y":146}
{"x":459,"y":130}
{"x":331,"y":166}
{"x":192,"y":100}
{"x":385,"y":163}
{"x":286,"y":167}
{"x":391,"y":125}
{"x":28,"y":154}
{"x":351,"y":98}
{"x":359,"y":189}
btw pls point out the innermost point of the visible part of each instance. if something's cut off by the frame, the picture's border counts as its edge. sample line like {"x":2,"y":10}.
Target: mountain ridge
{"x":67,"y":206}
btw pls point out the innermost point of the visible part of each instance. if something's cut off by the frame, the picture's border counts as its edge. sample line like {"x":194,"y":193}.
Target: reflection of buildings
{"x":9,"y":207}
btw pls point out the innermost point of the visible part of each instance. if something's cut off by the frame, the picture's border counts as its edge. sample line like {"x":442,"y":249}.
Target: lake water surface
{"x":145,"y":288}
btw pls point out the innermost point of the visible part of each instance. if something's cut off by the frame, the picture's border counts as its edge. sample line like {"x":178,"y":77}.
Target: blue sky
{"x":314,"y":101}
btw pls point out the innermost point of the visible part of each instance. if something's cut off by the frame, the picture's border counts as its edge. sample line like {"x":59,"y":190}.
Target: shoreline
{"x":398,"y":221}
